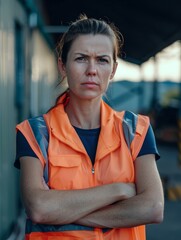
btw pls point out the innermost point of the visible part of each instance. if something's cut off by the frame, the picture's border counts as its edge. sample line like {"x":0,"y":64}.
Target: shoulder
{"x":38,"y":120}
{"x":136,"y":123}
{"x":134,"y":127}
{"x":34,"y":126}
{"x":132,"y":118}
{"x":36,"y":133}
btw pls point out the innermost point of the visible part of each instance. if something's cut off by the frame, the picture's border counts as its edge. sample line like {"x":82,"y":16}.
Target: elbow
{"x":35,"y":212}
{"x":36,"y":217}
{"x":157,"y":213}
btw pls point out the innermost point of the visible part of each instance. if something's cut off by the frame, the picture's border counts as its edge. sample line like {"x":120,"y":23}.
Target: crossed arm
{"x":113,"y":205}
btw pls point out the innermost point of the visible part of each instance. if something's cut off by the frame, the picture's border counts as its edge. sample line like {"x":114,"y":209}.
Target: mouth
{"x":90,"y":85}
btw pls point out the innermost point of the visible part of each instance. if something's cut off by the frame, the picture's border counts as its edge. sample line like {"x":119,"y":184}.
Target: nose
{"x":91,"y":69}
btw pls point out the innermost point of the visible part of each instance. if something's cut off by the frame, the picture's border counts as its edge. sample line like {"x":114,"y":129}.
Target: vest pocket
{"x":64,"y":171}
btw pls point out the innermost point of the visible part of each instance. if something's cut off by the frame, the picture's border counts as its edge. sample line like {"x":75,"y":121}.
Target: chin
{"x":91,"y":96}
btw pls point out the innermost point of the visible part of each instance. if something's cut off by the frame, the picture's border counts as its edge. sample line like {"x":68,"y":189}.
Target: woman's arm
{"x":64,"y":206}
{"x":144,"y":208}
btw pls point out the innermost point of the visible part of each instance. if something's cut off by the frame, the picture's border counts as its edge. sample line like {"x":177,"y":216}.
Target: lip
{"x":89,"y":83}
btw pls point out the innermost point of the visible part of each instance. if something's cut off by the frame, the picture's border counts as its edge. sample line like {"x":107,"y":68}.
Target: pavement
{"x":170,"y":172}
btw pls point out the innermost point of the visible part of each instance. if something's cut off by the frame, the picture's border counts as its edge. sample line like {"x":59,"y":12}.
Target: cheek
{"x":71,"y":76}
{"x":106,"y":79}
{"x":106,"y":75}
{"x":105,"y":84}
{"x":73,"y":71}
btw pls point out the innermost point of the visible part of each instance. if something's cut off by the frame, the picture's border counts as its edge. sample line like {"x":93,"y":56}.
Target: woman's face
{"x":89,"y":66}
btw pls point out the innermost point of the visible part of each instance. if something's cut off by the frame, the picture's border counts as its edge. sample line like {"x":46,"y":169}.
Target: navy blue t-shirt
{"x":89,"y":138}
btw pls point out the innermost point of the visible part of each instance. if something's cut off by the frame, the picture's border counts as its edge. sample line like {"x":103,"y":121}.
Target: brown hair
{"x":86,"y":25}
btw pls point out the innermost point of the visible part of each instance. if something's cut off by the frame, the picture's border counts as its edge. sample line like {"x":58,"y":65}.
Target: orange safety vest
{"x":69,"y":166}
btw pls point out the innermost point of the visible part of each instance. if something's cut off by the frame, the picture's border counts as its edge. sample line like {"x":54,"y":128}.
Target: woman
{"x":99,"y":187}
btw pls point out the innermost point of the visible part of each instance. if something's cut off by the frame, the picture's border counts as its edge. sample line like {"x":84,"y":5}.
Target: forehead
{"x":89,"y":43}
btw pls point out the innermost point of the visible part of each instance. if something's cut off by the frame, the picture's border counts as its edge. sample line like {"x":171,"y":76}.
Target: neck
{"x":84,"y":113}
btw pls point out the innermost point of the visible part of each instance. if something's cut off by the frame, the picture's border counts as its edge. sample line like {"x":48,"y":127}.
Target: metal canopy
{"x":147,"y":26}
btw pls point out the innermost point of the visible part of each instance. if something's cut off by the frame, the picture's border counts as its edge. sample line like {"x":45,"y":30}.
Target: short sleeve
{"x":149,"y":145}
{"x":22,"y":149}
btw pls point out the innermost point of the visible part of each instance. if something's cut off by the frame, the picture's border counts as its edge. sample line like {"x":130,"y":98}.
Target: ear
{"x":61,"y":68}
{"x":114,"y":70}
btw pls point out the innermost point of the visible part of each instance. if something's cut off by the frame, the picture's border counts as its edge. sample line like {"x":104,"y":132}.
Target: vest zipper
{"x":93,"y":170}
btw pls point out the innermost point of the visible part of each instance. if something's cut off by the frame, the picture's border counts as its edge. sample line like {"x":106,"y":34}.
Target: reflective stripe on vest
{"x":129,"y":126}
{"x":40,"y":132}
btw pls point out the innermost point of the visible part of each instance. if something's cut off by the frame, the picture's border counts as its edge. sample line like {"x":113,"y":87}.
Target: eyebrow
{"x":86,"y":55}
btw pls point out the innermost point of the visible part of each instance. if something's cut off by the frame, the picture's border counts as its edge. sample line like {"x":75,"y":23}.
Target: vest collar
{"x":62,"y":129}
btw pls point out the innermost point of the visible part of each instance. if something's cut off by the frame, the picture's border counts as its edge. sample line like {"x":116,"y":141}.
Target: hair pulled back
{"x":93,"y":26}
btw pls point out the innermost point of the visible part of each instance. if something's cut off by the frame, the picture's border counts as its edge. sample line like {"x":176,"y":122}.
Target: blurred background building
{"x":148,"y":81}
